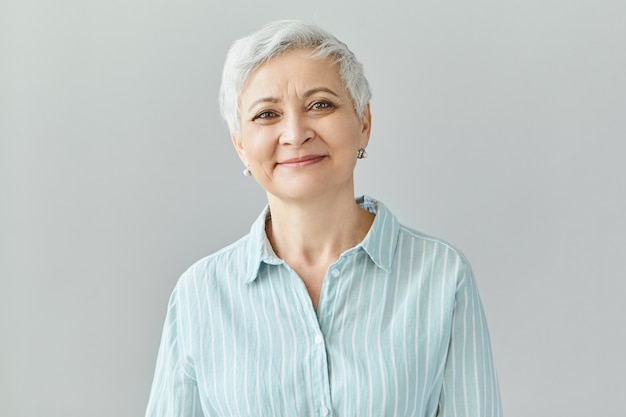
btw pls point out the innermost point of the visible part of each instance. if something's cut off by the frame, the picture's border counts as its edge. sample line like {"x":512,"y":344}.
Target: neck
{"x":316,"y":232}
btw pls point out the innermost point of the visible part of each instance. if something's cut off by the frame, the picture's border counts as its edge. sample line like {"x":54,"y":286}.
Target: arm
{"x":470,"y":385}
{"x":174,"y":390}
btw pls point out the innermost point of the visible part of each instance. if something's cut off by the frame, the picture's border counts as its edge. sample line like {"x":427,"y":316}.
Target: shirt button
{"x":324,"y":411}
{"x":335,"y":273}
{"x":318,"y":339}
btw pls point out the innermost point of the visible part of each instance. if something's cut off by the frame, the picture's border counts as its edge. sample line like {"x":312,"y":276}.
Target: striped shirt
{"x":399,"y":331}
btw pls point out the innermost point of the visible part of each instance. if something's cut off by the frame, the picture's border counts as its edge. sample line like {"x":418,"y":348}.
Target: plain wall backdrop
{"x":497,"y":125}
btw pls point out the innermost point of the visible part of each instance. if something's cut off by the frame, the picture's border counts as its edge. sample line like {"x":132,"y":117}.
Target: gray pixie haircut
{"x":276,"y":38}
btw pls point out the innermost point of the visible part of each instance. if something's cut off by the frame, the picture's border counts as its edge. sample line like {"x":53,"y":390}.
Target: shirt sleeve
{"x":174,"y":390}
{"x":470,"y":385}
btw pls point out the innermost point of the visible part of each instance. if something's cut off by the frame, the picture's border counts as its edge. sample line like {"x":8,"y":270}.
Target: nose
{"x":296,"y":130}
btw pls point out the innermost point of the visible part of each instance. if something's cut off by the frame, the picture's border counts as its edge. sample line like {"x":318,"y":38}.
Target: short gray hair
{"x":276,"y":38}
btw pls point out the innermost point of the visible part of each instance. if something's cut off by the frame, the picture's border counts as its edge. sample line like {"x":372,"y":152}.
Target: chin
{"x":309,"y":189}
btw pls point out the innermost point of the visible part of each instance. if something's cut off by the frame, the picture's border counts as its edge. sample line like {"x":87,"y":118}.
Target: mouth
{"x":301,"y":161}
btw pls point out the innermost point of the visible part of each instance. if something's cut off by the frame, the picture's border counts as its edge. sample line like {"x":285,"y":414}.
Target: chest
{"x":373,"y":347}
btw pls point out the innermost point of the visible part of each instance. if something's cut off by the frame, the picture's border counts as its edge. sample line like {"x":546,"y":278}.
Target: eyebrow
{"x":312,"y":91}
{"x":307,"y":94}
{"x":263,"y":100}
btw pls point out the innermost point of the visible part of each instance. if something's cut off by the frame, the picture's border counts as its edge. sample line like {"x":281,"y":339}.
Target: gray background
{"x":498,"y":125}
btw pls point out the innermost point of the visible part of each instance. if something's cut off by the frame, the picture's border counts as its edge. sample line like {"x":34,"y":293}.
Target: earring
{"x":247,"y":172}
{"x":361,"y":154}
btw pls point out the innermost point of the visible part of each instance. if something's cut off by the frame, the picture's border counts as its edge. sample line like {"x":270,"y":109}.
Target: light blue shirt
{"x":399,"y":331}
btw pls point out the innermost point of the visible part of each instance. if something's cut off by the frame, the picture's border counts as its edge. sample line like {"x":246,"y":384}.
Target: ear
{"x":239,"y":147}
{"x":366,"y":126}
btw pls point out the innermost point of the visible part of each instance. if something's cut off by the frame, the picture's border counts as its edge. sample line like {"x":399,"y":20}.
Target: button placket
{"x":328,"y":289}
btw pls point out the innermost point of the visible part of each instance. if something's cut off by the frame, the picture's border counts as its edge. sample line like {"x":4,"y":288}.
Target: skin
{"x":299,"y":136}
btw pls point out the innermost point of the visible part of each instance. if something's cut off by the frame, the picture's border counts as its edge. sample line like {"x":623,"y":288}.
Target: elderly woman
{"x":328,"y":306}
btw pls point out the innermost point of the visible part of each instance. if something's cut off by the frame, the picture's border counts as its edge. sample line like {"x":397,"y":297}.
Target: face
{"x":299,"y":131}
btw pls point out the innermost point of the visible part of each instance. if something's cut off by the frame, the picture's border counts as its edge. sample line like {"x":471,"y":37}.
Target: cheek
{"x":258,"y":146}
{"x":346,"y":134}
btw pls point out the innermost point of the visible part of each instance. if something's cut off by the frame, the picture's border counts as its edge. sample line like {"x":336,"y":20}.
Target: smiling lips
{"x":301,"y":161}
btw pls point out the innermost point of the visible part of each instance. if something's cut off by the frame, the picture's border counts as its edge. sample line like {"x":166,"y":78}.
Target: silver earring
{"x":247,"y":172}
{"x":361,"y":154}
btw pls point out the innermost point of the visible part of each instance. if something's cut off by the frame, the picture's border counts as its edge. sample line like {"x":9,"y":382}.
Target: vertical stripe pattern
{"x":399,"y":331}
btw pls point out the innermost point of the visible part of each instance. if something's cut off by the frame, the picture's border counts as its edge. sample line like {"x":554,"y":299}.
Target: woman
{"x":328,"y":306}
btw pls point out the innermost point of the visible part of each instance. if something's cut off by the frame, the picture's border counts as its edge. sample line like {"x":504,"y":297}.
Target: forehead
{"x":292,"y":70}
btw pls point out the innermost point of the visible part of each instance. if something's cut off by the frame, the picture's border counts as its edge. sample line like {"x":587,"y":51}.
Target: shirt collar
{"x":379,"y":243}
{"x":259,"y":248}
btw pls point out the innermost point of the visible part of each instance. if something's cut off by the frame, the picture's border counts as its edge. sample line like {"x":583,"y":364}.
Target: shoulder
{"x":412,"y":248}
{"x":228,"y":261}
{"x":435,"y":243}
{"x":433,"y":252}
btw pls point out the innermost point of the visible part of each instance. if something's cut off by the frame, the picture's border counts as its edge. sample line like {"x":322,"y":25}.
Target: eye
{"x":322,"y":105}
{"x":264,"y":115}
